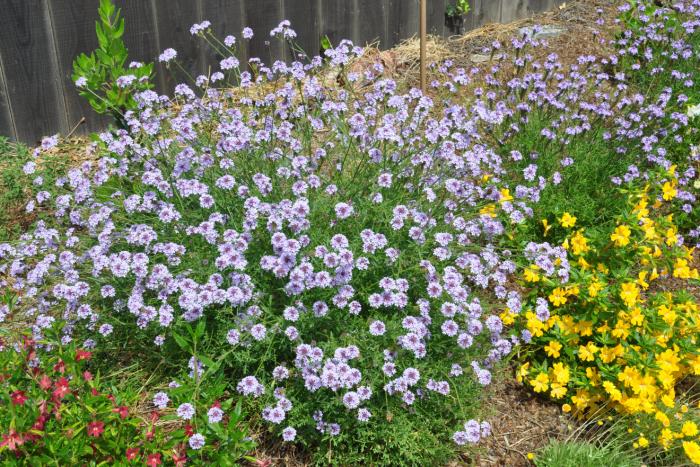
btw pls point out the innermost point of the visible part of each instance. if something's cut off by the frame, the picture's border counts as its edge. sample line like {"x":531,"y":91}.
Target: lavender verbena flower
{"x":196,"y":441}
{"x":167,"y":56}
{"x":185,"y":411}
{"x":247,"y":33}
{"x":289,"y":434}
{"x":160,"y":400}
{"x":199,"y":27}
{"x":215,"y":415}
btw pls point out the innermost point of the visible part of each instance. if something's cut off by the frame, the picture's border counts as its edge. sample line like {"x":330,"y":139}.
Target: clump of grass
{"x":584,"y":453}
{"x":13,"y":189}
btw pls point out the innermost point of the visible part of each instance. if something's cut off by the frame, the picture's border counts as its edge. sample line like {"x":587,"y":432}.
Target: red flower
{"x":62,"y":388}
{"x":87,"y":376}
{"x":45,"y":383}
{"x":153,"y":460}
{"x":179,"y":459}
{"x":82,"y":355}
{"x":60,"y":367}
{"x":123,"y":411}
{"x":189,"y":431}
{"x":12,"y":440}
{"x":94,"y":392}
{"x":154,"y":416}
{"x":18,"y":397}
{"x":132,"y":453}
{"x":216,"y":404}
{"x":150,"y":434}
{"x":95,"y":429}
{"x":40,"y":422}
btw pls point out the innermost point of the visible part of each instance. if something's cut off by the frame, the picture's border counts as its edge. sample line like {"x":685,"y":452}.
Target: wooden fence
{"x":40,"y":38}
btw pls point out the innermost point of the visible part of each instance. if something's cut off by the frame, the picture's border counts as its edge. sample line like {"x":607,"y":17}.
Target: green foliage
{"x":98,"y":75}
{"x":459,"y":8}
{"x":580,"y":453}
{"x":13,"y":186}
{"x":55,"y":411}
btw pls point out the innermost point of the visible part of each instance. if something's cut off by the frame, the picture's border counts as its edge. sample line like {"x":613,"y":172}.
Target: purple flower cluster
{"x":339,"y":244}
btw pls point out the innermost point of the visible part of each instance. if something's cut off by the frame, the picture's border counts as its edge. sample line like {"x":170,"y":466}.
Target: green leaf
{"x":199,"y":330}
{"x":181,"y":341}
{"x":325,"y":43}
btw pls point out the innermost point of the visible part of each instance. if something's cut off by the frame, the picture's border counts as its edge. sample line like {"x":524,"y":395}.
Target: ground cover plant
{"x":352,"y":263}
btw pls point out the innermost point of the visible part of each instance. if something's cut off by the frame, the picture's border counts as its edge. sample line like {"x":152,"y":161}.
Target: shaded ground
{"x":521,"y":423}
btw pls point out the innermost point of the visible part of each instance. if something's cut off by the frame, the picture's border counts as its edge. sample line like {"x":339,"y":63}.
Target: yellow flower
{"x":587,"y":353}
{"x":683,"y":271}
{"x":579,"y":243}
{"x":641,"y":279}
{"x":561,"y":373}
{"x":607,"y":354}
{"x":523,"y":371}
{"x":583,"y":263}
{"x":621,"y":235}
{"x":558,"y":391}
{"x":489,"y":210}
{"x":671,"y":237}
{"x":641,"y":208}
{"x":667,"y":314}
{"x":540,"y":383}
{"x":669,"y":190}
{"x":505,"y":195}
{"x":508,"y":317}
{"x":558,"y":296}
{"x":636,"y":316}
{"x":629,"y":294}
{"x":566,"y":408}
{"x":546,"y":226}
{"x":553,"y":349}
{"x":668,"y":399}
{"x":531,"y":274}
{"x":689,"y":429}
{"x":643,"y":442}
{"x":692,"y":450}
{"x":581,"y":399}
{"x":666,"y":438}
{"x":611,"y":389}
{"x":662,"y":418}
{"x":567,"y":220}
{"x":594,"y":288}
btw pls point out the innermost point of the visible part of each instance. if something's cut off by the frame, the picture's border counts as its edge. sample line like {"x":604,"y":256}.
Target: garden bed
{"x":348,"y":272}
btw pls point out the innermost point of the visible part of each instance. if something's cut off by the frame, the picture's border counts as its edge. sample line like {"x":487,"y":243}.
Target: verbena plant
{"x":343,"y":255}
{"x":103,"y":77}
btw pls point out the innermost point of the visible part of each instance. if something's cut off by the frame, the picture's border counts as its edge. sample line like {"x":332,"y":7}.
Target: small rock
{"x":478,"y":58}
{"x":543,"y":33}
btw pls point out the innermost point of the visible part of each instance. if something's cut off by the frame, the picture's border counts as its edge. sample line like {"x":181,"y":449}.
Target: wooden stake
{"x":423,"y":32}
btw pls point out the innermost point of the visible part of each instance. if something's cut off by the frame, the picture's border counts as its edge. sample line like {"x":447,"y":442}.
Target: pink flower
{"x":95,"y":429}
{"x":18,"y":397}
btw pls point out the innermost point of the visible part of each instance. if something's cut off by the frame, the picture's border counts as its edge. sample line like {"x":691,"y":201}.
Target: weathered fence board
{"x":40,"y":38}
{"x":29,"y":63}
{"x":335,"y":16}
{"x":73,"y":28}
{"x":178,"y":17}
{"x":303,"y":16}
{"x":228,"y":17}
{"x":263,"y":16}
{"x":7,"y":123}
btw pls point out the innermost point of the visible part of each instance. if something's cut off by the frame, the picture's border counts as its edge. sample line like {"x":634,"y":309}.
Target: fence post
{"x":423,"y":28}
